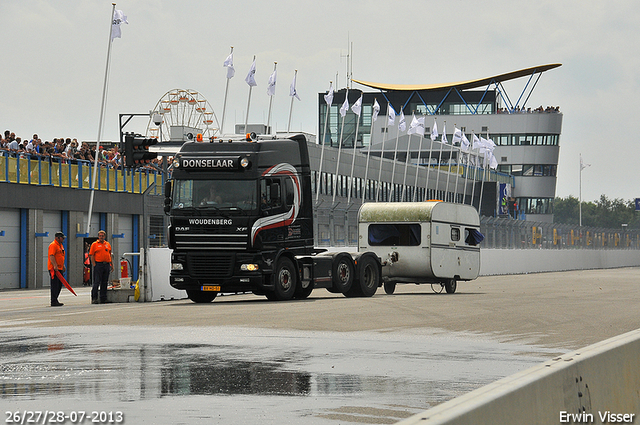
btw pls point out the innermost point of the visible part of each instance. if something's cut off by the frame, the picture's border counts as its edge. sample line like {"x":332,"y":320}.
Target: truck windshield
{"x":215,"y":194}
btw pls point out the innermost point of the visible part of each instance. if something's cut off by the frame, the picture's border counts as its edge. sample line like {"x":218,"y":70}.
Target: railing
{"x":23,"y":168}
{"x":507,"y":233}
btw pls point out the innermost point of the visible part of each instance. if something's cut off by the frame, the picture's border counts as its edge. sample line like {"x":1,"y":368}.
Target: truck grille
{"x":211,"y":265}
{"x":212,"y":241}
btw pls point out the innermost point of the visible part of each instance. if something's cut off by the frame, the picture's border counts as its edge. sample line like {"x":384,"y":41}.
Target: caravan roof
{"x":418,"y":212}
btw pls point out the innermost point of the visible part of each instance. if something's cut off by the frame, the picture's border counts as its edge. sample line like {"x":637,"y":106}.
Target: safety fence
{"x":520,"y":234}
{"x":51,"y":171}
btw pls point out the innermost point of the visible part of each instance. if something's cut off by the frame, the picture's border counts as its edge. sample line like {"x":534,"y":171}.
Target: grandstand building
{"x":526,"y":136}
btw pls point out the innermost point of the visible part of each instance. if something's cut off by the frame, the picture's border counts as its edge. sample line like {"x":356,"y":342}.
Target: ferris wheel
{"x":183,"y":108}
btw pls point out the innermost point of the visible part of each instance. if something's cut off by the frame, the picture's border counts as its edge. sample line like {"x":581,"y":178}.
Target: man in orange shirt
{"x":56,"y":263}
{"x":102,"y":263}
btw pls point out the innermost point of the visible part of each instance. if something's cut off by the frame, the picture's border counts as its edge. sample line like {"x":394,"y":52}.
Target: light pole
{"x":582,"y":167}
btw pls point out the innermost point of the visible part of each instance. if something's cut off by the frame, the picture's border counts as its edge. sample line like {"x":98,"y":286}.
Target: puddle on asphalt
{"x":137,"y":364}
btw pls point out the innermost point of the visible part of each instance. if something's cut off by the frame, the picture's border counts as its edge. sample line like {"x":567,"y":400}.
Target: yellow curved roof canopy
{"x":462,"y":85}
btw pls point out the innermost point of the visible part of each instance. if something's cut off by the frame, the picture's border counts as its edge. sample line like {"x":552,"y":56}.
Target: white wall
{"x":519,"y":261}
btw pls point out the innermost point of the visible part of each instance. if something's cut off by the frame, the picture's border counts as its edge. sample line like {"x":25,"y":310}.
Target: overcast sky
{"x":54,"y":55}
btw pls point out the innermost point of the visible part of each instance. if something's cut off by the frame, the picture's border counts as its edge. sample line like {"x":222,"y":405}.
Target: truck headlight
{"x":176,"y":266}
{"x":249,"y":267}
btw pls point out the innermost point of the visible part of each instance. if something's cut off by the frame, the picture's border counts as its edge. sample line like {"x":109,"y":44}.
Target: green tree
{"x":605,"y":212}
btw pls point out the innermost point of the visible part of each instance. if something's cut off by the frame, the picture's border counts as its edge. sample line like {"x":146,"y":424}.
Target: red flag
{"x":65,"y":283}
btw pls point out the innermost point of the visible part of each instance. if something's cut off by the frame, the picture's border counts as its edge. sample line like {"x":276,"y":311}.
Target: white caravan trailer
{"x":422,"y":242}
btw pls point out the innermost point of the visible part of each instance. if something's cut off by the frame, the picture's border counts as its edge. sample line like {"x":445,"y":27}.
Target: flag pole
{"x":444,"y":135}
{"x":446,"y":190}
{"x":475,"y":169}
{"x":426,"y":185}
{"x":406,"y":166}
{"x":395,"y":157}
{"x":246,"y":118}
{"x":102,"y":107}
{"x":326,"y":121}
{"x":366,"y":168}
{"x":384,"y":139}
{"x":335,"y":176}
{"x":224,"y":103}
{"x":353,"y":158}
{"x":270,"y":103}
{"x":415,"y":183}
{"x":291,"y":107}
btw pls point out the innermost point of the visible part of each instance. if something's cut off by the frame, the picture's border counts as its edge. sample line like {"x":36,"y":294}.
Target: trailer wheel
{"x":450,"y":285}
{"x":285,"y":280}
{"x":200,"y":296}
{"x":343,"y":274}
{"x":389,"y":287}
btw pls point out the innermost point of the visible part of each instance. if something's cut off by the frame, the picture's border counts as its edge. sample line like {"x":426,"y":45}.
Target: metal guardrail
{"x":23,"y":168}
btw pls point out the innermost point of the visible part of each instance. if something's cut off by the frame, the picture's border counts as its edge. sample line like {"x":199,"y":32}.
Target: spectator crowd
{"x":63,"y":150}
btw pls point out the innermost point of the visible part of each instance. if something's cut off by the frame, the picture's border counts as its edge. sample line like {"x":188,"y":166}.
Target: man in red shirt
{"x":102,"y":262}
{"x":56,"y":263}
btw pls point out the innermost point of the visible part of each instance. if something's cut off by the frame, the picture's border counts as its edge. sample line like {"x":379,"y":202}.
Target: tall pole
{"x":426,"y":184}
{"x":384,"y":139}
{"x":415,"y":183}
{"x":224,"y":104}
{"x":395,"y":158}
{"x":324,"y":135}
{"x":442,"y":143}
{"x":270,"y":103}
{"x":246,"y":118}
{"x":291,"y":107}
{"x":102,"y":108}
{"x":335,"y":176}
{"x":366,"y":168}
{"x":353,"y":158}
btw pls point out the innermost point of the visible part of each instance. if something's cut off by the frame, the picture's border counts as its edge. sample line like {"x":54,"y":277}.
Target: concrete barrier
{"x":519,"y":261}
{"x":597,"y":384}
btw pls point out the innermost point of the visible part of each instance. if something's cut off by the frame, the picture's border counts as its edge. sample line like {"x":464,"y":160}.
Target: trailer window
{"x":455,"y":234}
{"x":388,"y":234}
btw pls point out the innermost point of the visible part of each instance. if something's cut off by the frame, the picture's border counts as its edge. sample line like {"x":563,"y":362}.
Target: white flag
{"x":228,"y":63}
{"x":444,"y":134}
{"x":493,"y":162}
{"x":457,"y":136}
{"x":464,"y":143}
{"x":118,"y":18}
{"x":434,"y":131}
{"x":357,"y":107}
{"x":416,"y":126}
{"x":376,"y":110}
{"x":475,"y":142}
{"x":392,"y":115}
{"x":329,"y":96}
{"x":402,"y":124}
{"x":292,"y":89}
{"x":271,"y":84}
{"x":251,"y":76}
{"x":345,"y":106}
{"x":583,"y":165}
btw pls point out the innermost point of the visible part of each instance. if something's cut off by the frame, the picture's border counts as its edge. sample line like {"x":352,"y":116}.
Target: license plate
{"x":211,"y":288}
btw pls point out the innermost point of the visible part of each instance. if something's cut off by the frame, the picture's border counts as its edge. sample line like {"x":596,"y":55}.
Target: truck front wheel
{"x":285,"y":280}
{"x":200,"y":296}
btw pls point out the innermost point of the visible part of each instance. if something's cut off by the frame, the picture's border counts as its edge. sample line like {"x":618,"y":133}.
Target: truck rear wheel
{"x":200,"y":296}
{"x":285,"y":280}
{"x":368,"y":279}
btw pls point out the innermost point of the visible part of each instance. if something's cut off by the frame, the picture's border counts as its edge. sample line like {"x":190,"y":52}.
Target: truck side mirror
{"x":167,"y":196}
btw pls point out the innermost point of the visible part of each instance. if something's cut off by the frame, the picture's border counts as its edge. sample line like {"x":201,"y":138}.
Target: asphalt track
{"x":325,"y":360}
{"x":566,"y":309}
